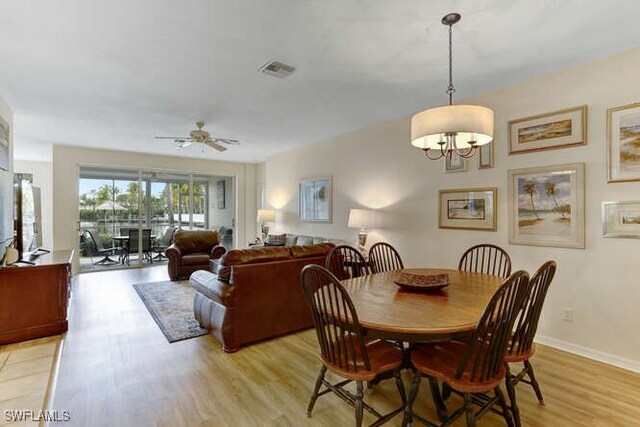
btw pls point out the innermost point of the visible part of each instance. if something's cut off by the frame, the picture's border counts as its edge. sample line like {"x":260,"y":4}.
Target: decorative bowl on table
{"x":422,"y":282}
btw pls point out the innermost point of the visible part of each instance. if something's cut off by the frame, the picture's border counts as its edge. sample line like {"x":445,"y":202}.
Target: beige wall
{"x":6,"y":185}
{"x":67,"y":160}
{"x":377,"y":168}
{"x":42,"y":177}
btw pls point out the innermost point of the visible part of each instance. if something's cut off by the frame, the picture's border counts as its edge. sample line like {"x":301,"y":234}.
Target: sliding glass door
{"x":127,"y":216}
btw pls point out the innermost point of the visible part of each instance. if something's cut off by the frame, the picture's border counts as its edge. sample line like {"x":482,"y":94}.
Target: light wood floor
{"x":117,"y":369}
{"x":25,"y":374}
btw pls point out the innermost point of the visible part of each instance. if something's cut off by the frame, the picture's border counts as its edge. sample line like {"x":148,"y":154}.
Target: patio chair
{"x":98,"y":249}
{"x":162,"y":244}
{"x":133,"y":244}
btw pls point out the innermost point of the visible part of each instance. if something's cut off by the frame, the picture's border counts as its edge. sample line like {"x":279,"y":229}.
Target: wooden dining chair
{"x":384,"y":257}
{"x":521,"y":346}
{"x":346,"y":262}
{"x":343,"y":349}
{"x":474,"y":366}
{"x":487,"y":259}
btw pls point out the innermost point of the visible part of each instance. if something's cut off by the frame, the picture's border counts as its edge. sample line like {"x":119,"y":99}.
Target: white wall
{"x":377,"y":168}
{"x":6,"y":185}
{"x":42,"y":177}
{"x":67,"y":160}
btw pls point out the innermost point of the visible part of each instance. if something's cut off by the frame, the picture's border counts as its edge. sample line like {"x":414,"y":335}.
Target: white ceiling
{"x":115,"y":73}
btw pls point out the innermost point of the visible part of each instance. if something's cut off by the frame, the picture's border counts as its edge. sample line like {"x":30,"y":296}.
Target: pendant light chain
{"x":454,"y":130}
{"x":450,"y":88}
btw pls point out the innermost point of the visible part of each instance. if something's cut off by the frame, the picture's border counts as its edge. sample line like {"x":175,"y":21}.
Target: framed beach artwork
{"x":455,"y":163}
{"x":316,"y":203}
{"x":546,"y":206}
{"x":4,"y":144}
{"x":559,"y":129}
{"x":621,"y":219}
{"x":468,"y":209}
{"x":485,"y":156}
{"x":623,"y":132}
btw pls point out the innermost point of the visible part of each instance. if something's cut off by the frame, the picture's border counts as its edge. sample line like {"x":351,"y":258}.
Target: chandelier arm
{"x":467,"y":154}
{"x":426,"y":154}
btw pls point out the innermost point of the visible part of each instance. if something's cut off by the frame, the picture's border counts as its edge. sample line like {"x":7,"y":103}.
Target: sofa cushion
{"x":290,"y":240}
{"x":197,"y":258}
{"x":251,"y":256}
{"x":309,"y":251}
{"x":304,"y":240}
{"x":275,"y":240}
{"x":189,"y":241}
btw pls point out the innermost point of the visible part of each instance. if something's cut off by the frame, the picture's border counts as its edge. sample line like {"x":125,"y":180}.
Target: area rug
{"x":171,"y":306}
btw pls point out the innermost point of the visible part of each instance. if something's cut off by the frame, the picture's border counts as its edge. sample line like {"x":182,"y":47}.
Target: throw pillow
{"x":275,"y":240}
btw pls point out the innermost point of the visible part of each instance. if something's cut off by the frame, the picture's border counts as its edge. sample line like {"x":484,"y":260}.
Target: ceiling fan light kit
{"x":203,"y":137}
{"x":451,"y":129}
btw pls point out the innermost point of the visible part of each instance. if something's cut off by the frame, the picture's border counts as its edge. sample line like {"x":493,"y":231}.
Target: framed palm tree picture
{"x":546,"y":206}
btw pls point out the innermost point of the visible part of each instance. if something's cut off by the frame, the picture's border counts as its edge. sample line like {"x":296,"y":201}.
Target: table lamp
{"x":265,"y":216}
{"x":362,"y":219}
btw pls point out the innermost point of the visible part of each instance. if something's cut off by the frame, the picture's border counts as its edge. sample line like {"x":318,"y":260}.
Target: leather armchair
{"x":192,"y":250}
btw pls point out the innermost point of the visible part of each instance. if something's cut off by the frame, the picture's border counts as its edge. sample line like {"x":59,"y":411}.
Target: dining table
{"x":391,"y":312}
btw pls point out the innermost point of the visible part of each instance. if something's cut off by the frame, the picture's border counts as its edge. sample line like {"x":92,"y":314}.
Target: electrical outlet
{"x":567,"y":314}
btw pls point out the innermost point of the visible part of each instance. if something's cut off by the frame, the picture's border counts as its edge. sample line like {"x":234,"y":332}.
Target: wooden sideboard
{"x":34,"y":298}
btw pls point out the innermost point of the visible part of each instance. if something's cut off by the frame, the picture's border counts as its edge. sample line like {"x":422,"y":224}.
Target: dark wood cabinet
{"x":34,"y":298}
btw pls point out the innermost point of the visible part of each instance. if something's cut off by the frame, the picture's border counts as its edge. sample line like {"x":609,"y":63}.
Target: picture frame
{"x":549,"y":131}
{"x":5,"y":133}
{"x":468,"y":209}
{"x":455,"y":163}
{"x":316,"y":199}
{"x":623,"y":140}
{"x":621,"y":219}
{"x":220,"y":194}
{"x":546,"y":206}
{"x":485,"y":156}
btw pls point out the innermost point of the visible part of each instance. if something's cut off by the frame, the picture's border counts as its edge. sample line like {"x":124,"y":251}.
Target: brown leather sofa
{"x":192,"y":250}
{"x":255,"y":294}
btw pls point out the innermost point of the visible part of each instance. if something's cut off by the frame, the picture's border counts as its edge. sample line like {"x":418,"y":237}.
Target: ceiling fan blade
{"x":215,"y":146}
{"x":227,"y":141}
{"x":173,"y":137}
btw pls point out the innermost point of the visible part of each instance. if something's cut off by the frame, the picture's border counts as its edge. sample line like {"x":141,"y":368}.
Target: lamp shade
{"x":266,"y":215}
{"x":361,"y":218}
{"x":468,"y":122}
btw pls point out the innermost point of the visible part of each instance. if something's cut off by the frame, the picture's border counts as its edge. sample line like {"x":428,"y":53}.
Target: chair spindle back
{"x":487,"y":259}
{"x":384,"y":257}
{"x":527,"y":323}
{"x":488,"y":344}
{"x":335,"y":319}
{"x":346,"y":262}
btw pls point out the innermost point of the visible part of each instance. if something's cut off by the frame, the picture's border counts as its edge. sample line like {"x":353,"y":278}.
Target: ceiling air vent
{"x":277,"y":69}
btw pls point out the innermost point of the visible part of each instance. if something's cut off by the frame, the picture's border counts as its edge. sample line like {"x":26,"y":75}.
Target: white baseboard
{"x":600,"y":356}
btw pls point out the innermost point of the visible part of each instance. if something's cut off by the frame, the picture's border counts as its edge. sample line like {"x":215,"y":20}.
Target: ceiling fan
{"x":203,"y":137}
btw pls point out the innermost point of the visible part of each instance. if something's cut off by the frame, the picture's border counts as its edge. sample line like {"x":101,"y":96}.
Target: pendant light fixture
{"x":460,"y":129}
